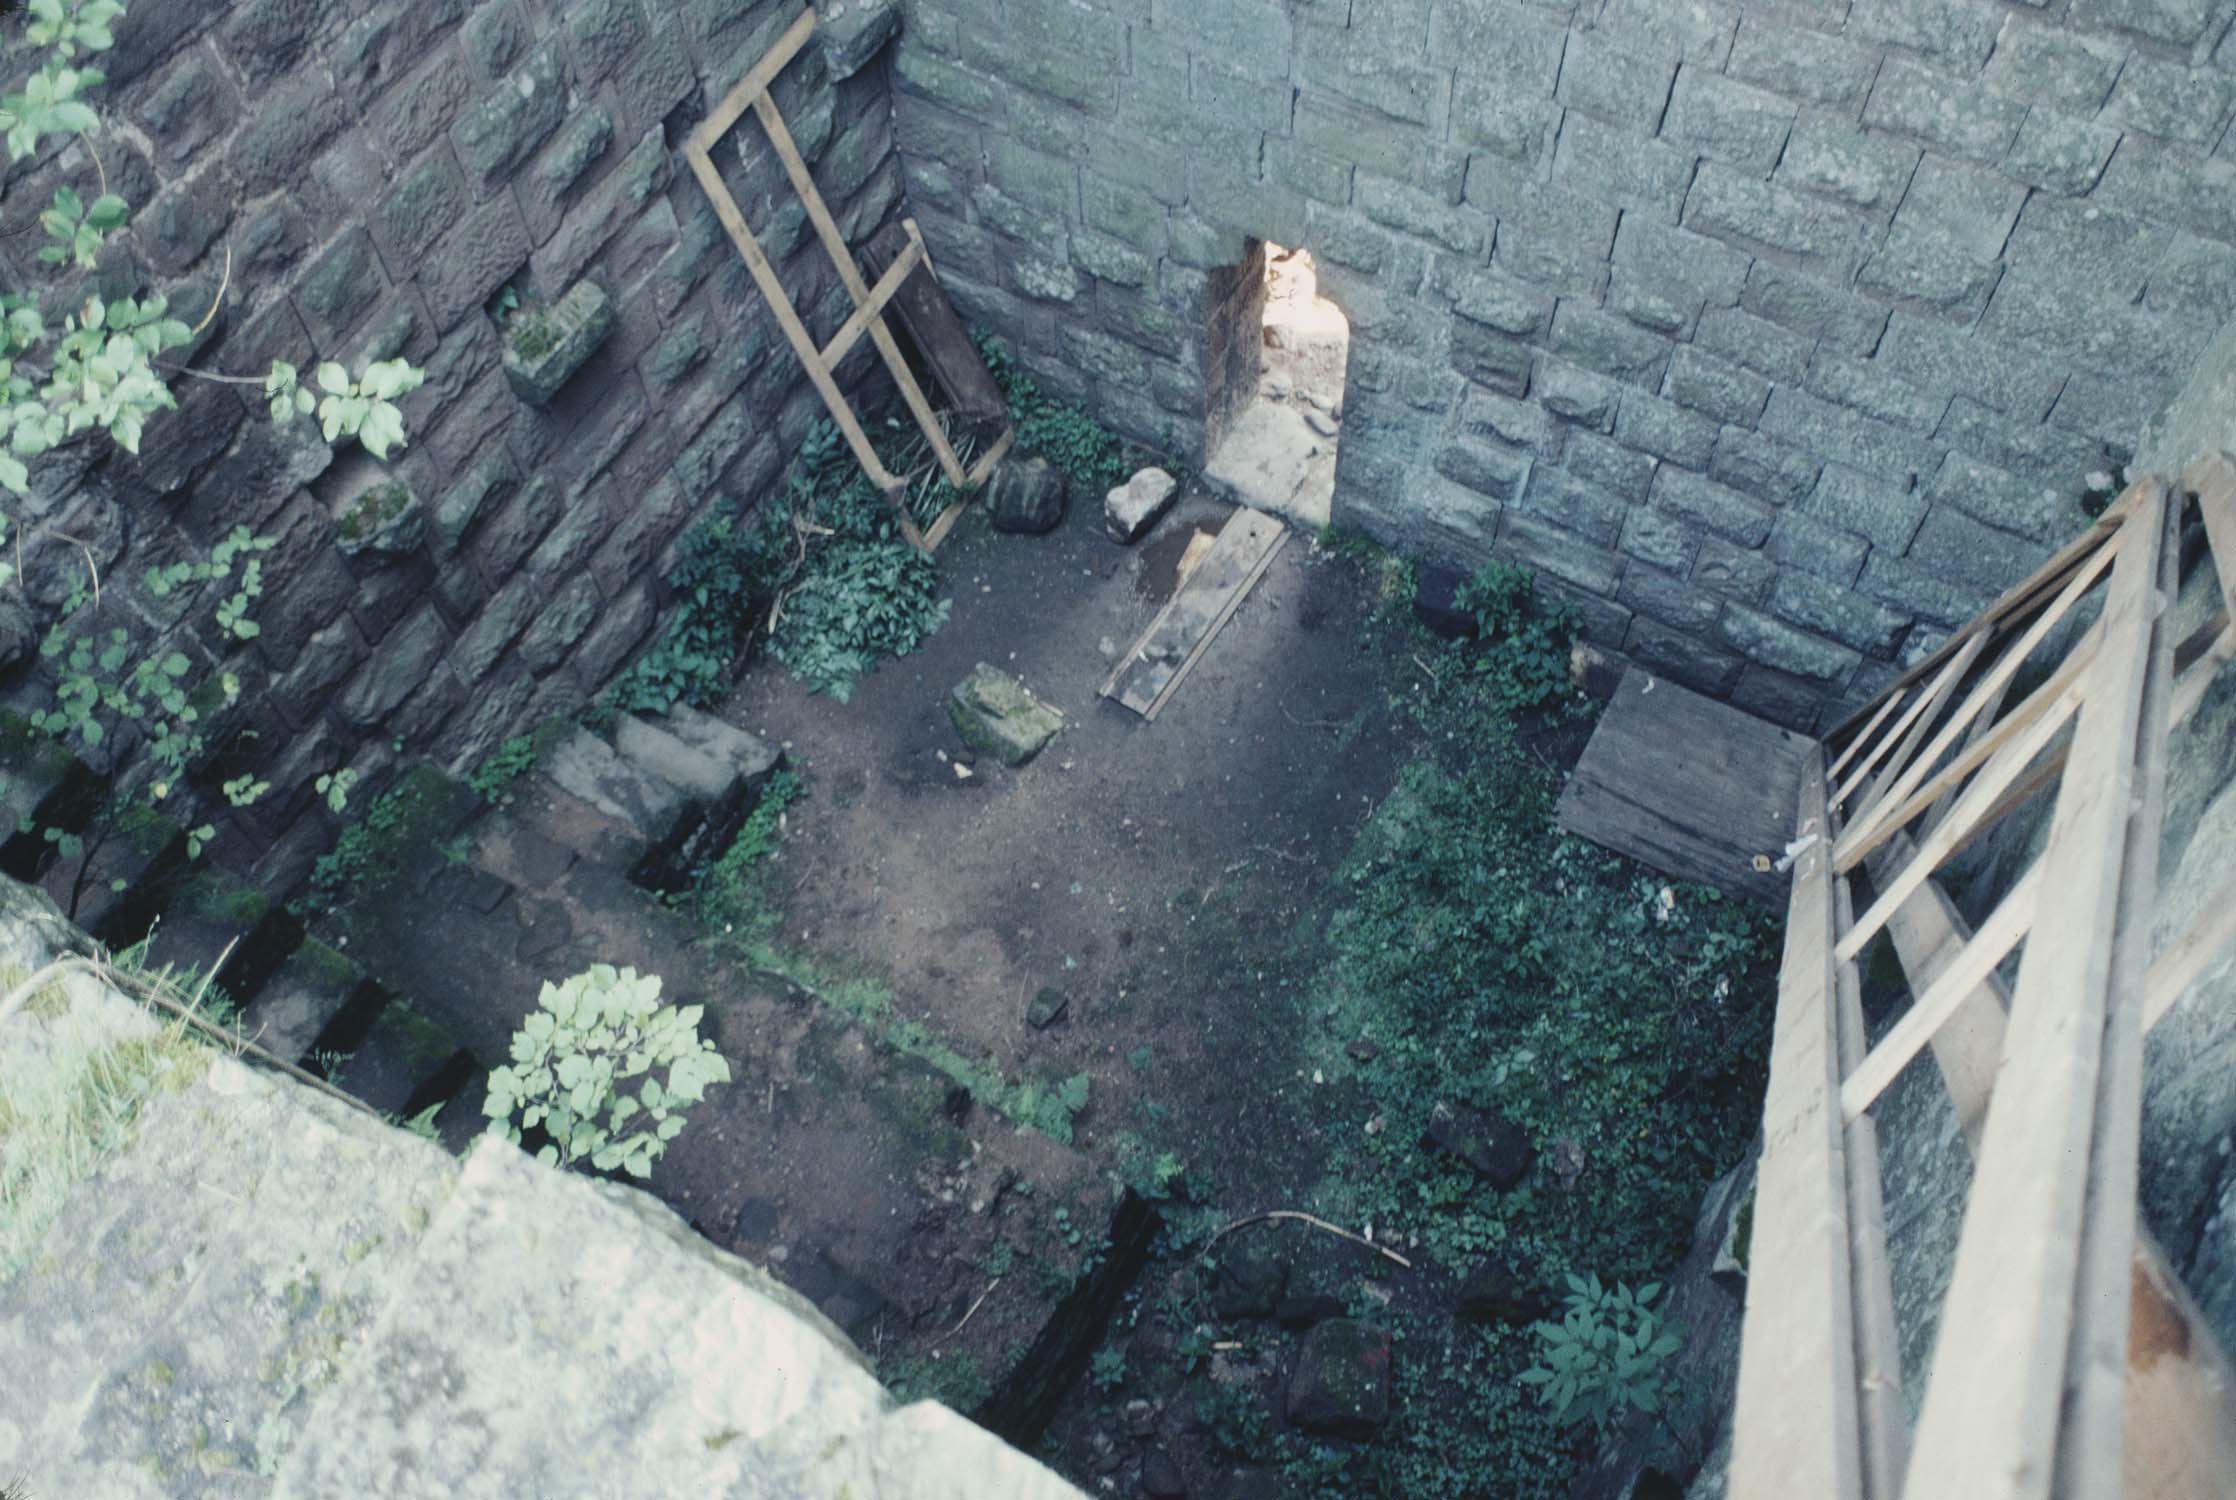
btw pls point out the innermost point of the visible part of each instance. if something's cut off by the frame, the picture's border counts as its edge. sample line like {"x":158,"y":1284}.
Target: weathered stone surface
{"x":386,"y":520}
{"x":1495,"y":1293}
{"x":544,"y":346}
{"x":1026,"y":494}
{"x":1249,"y":1281}
{"x":1341,"y":1382}
{"x":1135,"y":506}
{"x":997,"y":715}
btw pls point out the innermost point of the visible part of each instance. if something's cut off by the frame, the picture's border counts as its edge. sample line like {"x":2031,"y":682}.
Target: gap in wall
{"x":1274,"y":360}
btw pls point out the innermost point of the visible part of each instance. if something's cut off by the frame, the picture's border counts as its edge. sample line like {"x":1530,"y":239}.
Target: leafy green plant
{"x":1059,"y":431}
{"x":955,"y":1380}
{"x":1523,"y":650}
{"x":730,"y":894}
{"x":865,"y":601}
{"x":589,"y":1035}
{"x":1233,"y":1421}
{"x":1106,"y":1369}
{"x":1606,"y":1357}
{"x":363,"y":408}
{"x":504,"y":765}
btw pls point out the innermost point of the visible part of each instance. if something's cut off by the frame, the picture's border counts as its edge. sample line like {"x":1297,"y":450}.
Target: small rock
{"x":1436,"y":604}
{"x":1568,"y":1162}
{"x":1363,"y":1050}
{"x":1026,"y":495}
{"x":1249,"y":1284}
{"x":1105,"y":1452}
{"x":1046,"y":1009}
{"x":1486,"y":1140}
{"x":543,"y":347}
{"x":1133,"y":507}
{"x":851,"y":32}
{"x":1141,"y":1420}
{"x":995,"y":713}
{"x":1160,"y":1476}
{"x":1319,"y":422}
{"x":1494,"y":1293}
{"x":1300,"y":1312}
{"x":1341,"y":1383}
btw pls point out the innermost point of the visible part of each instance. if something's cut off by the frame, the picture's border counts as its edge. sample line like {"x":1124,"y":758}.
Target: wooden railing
{"x":2069,"y":1360}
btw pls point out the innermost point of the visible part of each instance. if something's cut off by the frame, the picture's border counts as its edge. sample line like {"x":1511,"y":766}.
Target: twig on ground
{"x":1316,"y":1223}
{"x":975,"y":1306}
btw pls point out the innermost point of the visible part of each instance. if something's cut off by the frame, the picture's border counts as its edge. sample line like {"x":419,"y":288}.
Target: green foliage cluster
{"x":369,"y":848}
{"x":1059,"y":431}
{"x":956,"y":1380}
{"x":1605,"y":1358}
{"x":504,"y":765}
{"x":825,"y":573}
{"x":1524,"y":649}
{"x":588,"y":1036}
{"x":731,"y":894}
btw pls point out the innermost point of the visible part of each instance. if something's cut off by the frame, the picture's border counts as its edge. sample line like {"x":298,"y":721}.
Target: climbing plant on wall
{"x":80,"y":365}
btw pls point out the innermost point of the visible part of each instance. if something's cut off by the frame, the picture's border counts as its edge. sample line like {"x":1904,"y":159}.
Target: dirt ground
{"x":1099,"y":868}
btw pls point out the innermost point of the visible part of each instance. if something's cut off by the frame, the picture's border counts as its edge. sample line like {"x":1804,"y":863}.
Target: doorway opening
{"x":1274,"y":358}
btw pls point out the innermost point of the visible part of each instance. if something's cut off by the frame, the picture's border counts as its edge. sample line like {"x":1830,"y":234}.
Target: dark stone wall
{"x":363,"y":177}
{"x":1781,"y":333}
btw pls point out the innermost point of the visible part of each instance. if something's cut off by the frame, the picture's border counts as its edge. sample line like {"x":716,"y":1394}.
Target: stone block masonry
{"x":1784,"y":334}
{"x":377,"y":170}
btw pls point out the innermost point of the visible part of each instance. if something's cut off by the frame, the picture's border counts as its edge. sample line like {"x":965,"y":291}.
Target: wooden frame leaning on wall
{"x":2037,"y":1388}
{"x":752,"y":94}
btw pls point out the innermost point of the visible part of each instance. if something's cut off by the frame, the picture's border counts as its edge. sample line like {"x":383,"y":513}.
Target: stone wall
{"x":1781,"y":334}
{"x":364,"y":177}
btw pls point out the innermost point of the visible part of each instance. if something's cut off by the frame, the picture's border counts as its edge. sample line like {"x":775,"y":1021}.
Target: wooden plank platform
{"x":1692,"y":787}
{"x":1147,"y":675}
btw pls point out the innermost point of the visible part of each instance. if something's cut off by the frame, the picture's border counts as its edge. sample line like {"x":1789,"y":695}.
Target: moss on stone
{"x":372,"y":510}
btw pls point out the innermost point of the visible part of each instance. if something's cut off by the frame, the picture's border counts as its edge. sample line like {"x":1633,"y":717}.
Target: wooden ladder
{"x":2032,"y":1390}
{"x":752,"y":93}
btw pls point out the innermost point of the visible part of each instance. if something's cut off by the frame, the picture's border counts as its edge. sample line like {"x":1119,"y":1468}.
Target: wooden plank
{"x":1863,"y":735}
{"x":2020,"y":597}
{"x":850,"y":277}
{"x":1857,"y":842}
{"x":2181,"y":1390}
{"x":1967,"y":815}
{"x":1955,"y":982}
{"x":1991,"y":683}
{"x":1795,"y":1423}
{"x":788,"y":319}
{"x":755,"y":83}
{"x":1989,"y":1426}
{"x":880,"y":294}
{"x":939,"y":335}
{"x":2213,"y":480}
{"x":2208,"y":934}
{"x":1692,"y":787}
{"x":1196,"y":609}
{"x":1882,"y":1429}
{"x":2093,"y":1423}
{"x":1919,"y":712}
{"x":1235,"y":597}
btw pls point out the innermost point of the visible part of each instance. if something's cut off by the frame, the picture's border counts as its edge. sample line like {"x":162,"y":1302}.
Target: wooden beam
{"x":880,"y":294}
{"x":1863,"y":736}
{"x":1991,"y":683}
{"x":1795,"y":1427}
{"x":1989,"y":1428}
{"x":2021,"y":596}
{"x":1919,"y":712}
{"x":754,"y":84}
{"x":2181,"y":1391}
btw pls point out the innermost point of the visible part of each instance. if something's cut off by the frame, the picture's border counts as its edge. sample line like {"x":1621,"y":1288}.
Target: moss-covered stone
{"x":545,"y":346}
{"x":385,"y":521}
{"x":997,"y":715}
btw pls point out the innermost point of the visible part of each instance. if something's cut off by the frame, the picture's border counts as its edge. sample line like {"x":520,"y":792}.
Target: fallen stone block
{"x":1026,"y":495}
{"x":997,"y":715}
{"x":1487,"y":1141}
{"x":1132,"y":508}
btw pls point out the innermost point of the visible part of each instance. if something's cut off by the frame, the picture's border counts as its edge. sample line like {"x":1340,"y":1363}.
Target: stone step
{"x":591,"y":771}
{"x":748,"y":755}
{"x":401,"y":1054}
{"x":306,"y":994}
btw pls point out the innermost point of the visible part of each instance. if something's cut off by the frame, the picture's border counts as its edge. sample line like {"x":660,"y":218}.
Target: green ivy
{"x":1605,"y":1358}
{"x":1059,"y":431}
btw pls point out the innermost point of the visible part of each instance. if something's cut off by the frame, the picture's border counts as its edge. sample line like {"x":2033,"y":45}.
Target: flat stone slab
{"x":1133,"y":507}
{"x":545,"y":346}
{"x":996,"y":714}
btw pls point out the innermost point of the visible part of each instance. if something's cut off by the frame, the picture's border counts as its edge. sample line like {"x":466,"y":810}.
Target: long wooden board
{"x":938,"y":334}
{"x":1693,"y":787}
{"x":1146,"y":675}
